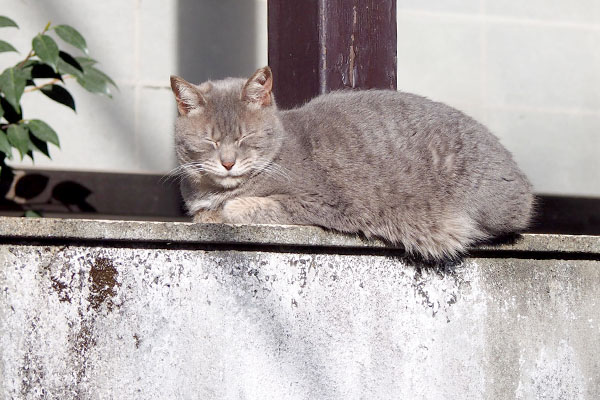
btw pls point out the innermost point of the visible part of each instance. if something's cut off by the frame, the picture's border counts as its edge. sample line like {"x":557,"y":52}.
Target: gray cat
{"x":387,"y":164}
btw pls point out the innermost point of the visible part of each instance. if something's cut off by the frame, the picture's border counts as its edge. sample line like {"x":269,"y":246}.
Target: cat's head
{"x":226,"y":130}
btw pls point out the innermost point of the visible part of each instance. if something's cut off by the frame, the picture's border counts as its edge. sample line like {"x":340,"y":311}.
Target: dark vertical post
{"x":316,"y":46}
{"x":294,"y":50}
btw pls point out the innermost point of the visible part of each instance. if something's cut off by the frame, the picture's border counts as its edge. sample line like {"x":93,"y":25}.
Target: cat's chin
{"x":229,"y":182}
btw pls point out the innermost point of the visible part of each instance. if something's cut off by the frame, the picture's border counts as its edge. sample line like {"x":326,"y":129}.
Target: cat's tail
{"x":447,"y":238}
{"x":511,"y":212}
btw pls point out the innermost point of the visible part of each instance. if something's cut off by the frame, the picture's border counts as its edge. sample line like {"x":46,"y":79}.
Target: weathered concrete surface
{"x":92,"y":322}
{"x":286,"y":235}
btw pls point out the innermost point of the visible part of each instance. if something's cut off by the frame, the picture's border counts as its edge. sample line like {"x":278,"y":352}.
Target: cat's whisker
{"x":274,"y":172}
{"x":262,"y":167}
{"x":195,"y":167}
{"x":177,"y":178}
{"x":272,"y":169}
{"x":279,"y":172}
{"x":282,"y":170}
{"x":276,"y":175}
{"x":275,"y":165}
{"x":174,"y":171}
{"x":174,"y":174}
{"x":189,"y":169}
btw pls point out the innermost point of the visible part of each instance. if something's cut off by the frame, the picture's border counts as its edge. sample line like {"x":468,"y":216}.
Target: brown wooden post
{"x":316,"y":46}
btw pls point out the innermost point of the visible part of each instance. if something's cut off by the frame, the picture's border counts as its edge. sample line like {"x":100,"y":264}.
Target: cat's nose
{"x":228,"y":165}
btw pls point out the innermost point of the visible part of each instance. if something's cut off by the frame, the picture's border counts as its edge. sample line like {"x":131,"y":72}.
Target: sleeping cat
{"x":387,"y":164}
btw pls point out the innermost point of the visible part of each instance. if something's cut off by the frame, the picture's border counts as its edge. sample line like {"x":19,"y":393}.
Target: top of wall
{"x":190,"y":234}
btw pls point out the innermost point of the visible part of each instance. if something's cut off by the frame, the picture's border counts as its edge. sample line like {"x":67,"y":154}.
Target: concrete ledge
{"x":280,"y":235}
{"x":89,"y":310}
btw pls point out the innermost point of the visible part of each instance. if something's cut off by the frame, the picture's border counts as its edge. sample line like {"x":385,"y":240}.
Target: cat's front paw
{"x":252,"y":210}
{"x":209,"y":217}
{"x":238,"y":211}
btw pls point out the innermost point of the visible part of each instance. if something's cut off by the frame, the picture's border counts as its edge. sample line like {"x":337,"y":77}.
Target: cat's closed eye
{"x":214,"y":143}
{"x":244,"y":136}
{"x":195,"y":154}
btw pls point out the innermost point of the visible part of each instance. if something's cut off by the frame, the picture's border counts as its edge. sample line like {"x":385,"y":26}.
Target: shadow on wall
{"x":216,"y":39}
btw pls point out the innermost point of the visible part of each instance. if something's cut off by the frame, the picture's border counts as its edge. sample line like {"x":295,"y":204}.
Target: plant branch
{"x":52,"y":82}
{"x":31,"y":52}
{"x":3,"y":127}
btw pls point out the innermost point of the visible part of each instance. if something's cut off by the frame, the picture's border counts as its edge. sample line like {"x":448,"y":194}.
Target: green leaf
{"x":1,"y":111}
{"x":94,"y":82}
{"x":32,"y":214}
{"x":5,"y":21}
{"x":5,"y":147}
{"x":106,"y":77}
{"x":69,"y":65}
{"x":71,"y":36}
{"x":60,"y":95}
{"x":38,"y":145}
{"x":30,"y":63}
{"x":12,"y":83}
{"x":43,"y":131}
{"x":86,"y":61}
{"x":19,"y":137}
{"x":5,"y":46}
{"x":46,"y":49}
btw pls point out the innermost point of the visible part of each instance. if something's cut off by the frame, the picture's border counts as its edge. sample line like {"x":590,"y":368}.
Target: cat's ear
{"x":187,"y":95}
{"x":257,"y":91}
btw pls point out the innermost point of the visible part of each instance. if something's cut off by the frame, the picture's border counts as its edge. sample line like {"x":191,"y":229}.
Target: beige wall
{"x":529,"y":70}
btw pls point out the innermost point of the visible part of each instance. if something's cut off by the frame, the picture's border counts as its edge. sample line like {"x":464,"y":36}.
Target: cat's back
{"x":401,"y":150}
{"x":382,"y":115}
{"x":375,"y":104}
{"x":386,"y":126}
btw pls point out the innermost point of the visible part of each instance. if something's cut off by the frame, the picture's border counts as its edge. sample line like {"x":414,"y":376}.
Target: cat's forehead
{"x":225,"y":89}
{"x":223,"y":103}
{"x":227,"y":84}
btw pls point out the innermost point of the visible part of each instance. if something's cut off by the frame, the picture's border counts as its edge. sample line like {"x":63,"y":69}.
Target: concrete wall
{"x":186,"y":311}
{"x":529,"y":70}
